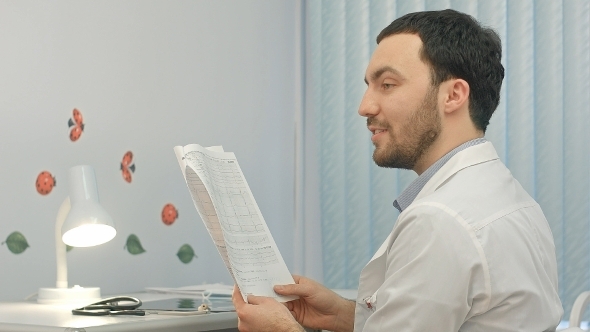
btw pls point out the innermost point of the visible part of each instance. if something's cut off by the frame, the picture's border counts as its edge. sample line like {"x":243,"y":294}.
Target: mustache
{"x":373,"y":121}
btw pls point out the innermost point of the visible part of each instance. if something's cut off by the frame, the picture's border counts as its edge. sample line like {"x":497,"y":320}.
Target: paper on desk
{"x":204,"y":290}
{"x":233,"y":219}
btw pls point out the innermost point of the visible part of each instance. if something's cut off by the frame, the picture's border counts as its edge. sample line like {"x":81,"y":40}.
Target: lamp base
{"x":76,"y":295}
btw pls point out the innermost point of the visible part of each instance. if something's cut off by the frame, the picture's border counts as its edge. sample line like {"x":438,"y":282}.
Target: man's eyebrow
{"x":385,"y":69}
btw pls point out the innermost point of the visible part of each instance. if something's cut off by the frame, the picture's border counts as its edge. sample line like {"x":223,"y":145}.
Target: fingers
{"x":252,"y":299}
{"x":238,"y":300}
{"x":289,"y":304}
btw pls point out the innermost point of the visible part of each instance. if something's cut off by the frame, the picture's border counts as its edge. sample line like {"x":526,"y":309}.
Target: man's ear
{"x":457,"y":95}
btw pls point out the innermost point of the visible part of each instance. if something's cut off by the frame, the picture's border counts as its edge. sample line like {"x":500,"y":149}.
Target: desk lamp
{"x":81,"y":222}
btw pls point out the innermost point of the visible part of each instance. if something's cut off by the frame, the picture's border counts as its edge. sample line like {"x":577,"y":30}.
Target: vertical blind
{"x":541,"y":129}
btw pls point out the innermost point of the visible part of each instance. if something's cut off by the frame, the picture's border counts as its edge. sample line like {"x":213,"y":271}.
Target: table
{"x":33,"y":317}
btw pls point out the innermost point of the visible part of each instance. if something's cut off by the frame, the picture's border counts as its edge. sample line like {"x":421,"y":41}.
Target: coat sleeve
{"x":435,"y":276}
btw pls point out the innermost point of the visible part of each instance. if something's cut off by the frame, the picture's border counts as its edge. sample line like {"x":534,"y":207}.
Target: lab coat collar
{"x":409,"y":194}
{"x":471,"y":156}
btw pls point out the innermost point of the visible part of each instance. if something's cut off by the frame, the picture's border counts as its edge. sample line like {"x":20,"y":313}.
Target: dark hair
{"x":455,"y":45}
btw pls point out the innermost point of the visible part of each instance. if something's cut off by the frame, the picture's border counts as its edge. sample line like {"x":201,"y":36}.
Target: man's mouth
{"x":378,"y":131}
{"x":376,"y":128}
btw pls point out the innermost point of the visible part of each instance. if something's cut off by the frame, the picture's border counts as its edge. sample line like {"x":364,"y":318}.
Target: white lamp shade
{"x":87,"y":223}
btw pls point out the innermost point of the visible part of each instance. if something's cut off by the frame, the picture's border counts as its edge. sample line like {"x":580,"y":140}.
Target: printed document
{"x":227,"y":207}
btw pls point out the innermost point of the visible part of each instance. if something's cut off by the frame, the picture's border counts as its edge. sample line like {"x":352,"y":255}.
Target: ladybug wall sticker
{"x":169,"y":214}
{"x":127,"y":166}
{"x":45,"y":183}
{"x":77,"y":122}
{"x":77,"y":116}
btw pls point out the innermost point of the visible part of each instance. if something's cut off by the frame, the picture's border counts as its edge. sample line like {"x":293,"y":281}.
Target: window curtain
{"x":541,"y":130}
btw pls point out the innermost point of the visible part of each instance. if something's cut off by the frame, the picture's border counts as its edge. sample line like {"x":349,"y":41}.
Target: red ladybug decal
{"x":169,"y":214}
{"x":75,"y":133}
{"x":127,"y":175}
{"x":127,"y":158}
{"x":78,"y":117}
{"x":127,"y":167}
{"x":78,"y":125}
{"x":45,"y":183}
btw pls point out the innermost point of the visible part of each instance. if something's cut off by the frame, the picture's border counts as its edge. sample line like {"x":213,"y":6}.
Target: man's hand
{"x":318,"y":307}
{"x":263,"y":314}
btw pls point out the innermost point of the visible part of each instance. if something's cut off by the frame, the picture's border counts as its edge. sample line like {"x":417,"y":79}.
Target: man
{"x":471,"y":250}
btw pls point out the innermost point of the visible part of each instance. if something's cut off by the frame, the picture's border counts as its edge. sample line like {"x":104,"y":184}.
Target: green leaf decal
{"x":186,"y":254}
{"x":16,"y":243}
{"x":185,"y":303}
{"x":134,"y":245}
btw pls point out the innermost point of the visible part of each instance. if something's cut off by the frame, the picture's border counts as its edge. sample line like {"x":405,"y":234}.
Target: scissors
{"x":112,"y":306}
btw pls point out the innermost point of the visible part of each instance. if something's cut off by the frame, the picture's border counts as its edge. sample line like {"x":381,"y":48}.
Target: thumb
{"x":291,"y":289}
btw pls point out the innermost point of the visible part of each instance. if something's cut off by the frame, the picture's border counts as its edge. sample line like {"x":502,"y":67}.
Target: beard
{"x":421,"y":131}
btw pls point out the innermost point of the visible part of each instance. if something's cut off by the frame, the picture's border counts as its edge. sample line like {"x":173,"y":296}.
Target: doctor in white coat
{"x":471,"y":250}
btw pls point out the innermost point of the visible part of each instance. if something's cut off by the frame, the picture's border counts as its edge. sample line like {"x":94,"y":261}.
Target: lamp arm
{"x":60,"y":246}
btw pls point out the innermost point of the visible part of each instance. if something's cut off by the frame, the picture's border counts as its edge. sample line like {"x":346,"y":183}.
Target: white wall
{"x":146,"y":75}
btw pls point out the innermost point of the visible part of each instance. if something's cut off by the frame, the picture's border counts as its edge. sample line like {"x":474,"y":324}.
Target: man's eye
{"x":387,"y":86}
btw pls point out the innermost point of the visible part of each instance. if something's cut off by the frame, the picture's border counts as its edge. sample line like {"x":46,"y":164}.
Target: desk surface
{"x":33,"y":317}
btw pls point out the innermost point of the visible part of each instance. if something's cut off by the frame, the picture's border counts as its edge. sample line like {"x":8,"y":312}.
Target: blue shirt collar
{"x":409,"y":195}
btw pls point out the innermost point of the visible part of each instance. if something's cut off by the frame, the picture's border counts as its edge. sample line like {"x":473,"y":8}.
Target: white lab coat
{"x":473,"y":252}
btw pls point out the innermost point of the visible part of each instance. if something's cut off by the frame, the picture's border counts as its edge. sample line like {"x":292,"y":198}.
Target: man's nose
{"x":368,"y":107}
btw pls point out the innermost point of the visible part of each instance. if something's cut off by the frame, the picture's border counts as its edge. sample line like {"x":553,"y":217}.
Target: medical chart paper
{"x":227,"y":207}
